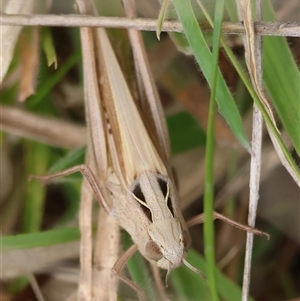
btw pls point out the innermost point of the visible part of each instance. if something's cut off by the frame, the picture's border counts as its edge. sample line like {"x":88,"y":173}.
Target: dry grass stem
{"x":86,"y":248}
{"x":21,"y":262}
{"x":51,"y":131}
{"x":272,"y":28}
{"x":105,"y":284}
{"x":29,"y":61}
{"x":35,"y":287}
{"x":253,"y":56}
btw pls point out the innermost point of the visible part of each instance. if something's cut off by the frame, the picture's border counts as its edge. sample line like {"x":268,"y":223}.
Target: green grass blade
{"x":48,"y":46}
{"x":39,"y":239}
{"x":282,"y":79}
{"x":161,"y":17}
{"x":204,"y":58}
{"x":209,"y":233}
{"x":37,"y":157}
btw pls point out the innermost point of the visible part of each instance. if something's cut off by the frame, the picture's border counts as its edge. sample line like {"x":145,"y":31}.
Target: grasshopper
{"x":134,"y":182}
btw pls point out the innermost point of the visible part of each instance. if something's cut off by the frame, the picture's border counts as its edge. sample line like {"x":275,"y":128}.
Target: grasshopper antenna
{"x":193,"y":269}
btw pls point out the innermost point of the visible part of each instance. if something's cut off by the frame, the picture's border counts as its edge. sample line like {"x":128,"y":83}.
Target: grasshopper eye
{"x":153,"y":250}
{"x":186,"y":239}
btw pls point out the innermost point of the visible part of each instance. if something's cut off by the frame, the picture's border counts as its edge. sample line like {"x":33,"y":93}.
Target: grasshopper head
{"x":169,"y":243}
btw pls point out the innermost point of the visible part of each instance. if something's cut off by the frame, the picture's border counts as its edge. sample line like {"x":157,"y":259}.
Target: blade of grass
{"x":39,"y":239}
{"x":282,"y":83}
{"x":37,"y":157}
{"x":209,"y":234}
{"x":48,"y":46}
{"x":161,"y":17}
{"x":204,"y":58}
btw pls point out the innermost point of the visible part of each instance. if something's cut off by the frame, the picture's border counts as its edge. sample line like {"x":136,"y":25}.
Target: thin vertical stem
{"x":255,"y":165}
{"x":86,"y":247}
{"x":209,"y":234}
